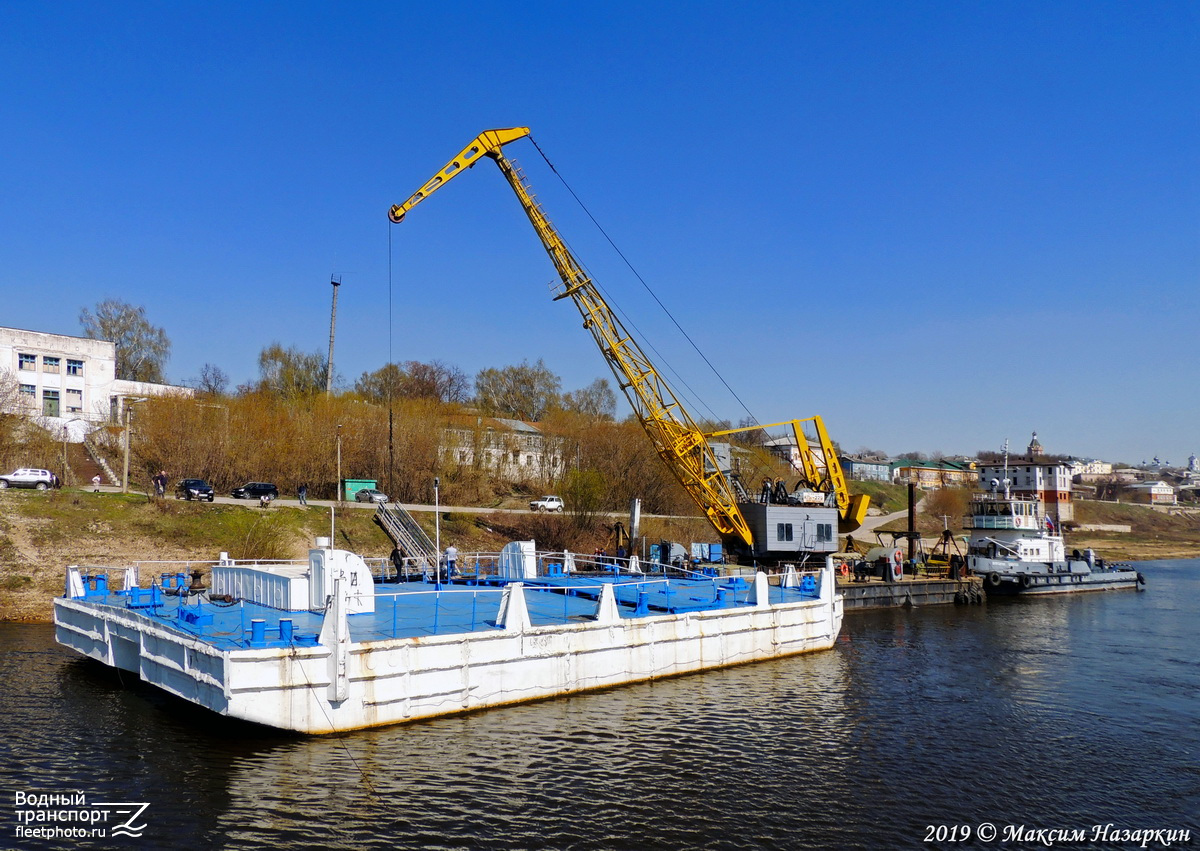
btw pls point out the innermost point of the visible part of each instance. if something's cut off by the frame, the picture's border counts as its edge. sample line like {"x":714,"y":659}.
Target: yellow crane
{"x":681,"y":443}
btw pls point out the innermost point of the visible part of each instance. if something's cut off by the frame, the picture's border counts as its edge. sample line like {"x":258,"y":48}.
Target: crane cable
{"x":646,"y":286}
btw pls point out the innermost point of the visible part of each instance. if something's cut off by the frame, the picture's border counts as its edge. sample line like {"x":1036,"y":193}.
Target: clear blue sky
{"x":937,"y":225}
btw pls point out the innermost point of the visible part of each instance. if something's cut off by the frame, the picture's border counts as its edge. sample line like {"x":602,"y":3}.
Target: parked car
{"x":29,"y":477}
{"x":370,"y":495}
{"x":194,"y":489}
{"x":547,"y":503}
{"x":255,"y":490}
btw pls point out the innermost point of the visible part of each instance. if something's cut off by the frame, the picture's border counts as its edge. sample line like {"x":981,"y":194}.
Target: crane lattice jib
{"x":676,"y":437}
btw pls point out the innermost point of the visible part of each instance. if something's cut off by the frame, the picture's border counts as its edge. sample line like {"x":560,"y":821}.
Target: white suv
{"x":27,"y":477}
{"x":547,"y":503}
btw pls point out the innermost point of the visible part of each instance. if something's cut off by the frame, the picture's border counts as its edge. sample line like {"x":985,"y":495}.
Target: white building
{"x":1152,"y":493}
{"x":513,"y":450}
{"x":69,"y":378}
{"x":1049,"y":481}
{"x":1090,"y":467}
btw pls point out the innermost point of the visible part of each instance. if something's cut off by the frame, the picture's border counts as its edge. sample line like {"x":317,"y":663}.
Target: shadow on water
{"x":1055,"y":713}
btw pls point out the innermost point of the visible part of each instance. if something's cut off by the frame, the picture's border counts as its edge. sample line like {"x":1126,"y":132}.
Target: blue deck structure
{"x":406,"y":609}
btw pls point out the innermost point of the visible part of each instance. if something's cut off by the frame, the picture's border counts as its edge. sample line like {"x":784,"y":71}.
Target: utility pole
{"x":336,"y":281}
{"x":125,"y":473}
{"x":128,"y":404}
{"x":339,"y":460}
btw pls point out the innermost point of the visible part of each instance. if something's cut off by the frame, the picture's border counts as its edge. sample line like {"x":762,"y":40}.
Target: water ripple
{"x":1058,"y":713}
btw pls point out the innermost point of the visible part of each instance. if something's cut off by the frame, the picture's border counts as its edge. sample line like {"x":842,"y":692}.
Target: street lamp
{"x":339,"y":462}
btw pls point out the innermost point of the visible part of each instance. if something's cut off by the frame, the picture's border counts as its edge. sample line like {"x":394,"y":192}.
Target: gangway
{"x":406,"y":534}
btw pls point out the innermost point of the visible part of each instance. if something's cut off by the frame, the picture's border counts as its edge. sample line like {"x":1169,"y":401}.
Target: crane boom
{"x":676,"y":437}
{"x":672,"y":431}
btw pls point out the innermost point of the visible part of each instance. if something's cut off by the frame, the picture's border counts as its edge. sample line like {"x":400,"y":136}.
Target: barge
{"x":336,"y":642}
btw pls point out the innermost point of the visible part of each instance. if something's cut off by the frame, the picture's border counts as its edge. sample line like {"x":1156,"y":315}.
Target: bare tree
{"x":435,"y":380}
{"x":597,"y":400}
{"x":290,"y":373}
{"x":415,"y":380}
{"x":142,"y":348}
{"x":213,"y":380}
{"x":524,"y":392}
{"x":10,"y":393}
{"x":867,"y":452}
{"x":385,"y":383}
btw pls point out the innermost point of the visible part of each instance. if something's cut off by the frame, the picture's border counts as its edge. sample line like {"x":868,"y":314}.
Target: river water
{"x":1045,"y":714}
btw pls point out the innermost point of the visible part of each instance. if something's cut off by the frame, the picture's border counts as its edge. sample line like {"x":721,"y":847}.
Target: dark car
{"x":194,"y":489}
{"x":255,"y":490}
{"x":370,"y":495}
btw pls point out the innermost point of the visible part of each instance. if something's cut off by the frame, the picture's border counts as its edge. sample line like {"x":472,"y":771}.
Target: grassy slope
{"x":42,"y":533}
{"x":884,"y":495}
{"x":1155,"y":534}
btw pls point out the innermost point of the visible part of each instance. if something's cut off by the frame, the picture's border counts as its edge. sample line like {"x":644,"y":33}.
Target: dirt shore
{"x":40,"y":534}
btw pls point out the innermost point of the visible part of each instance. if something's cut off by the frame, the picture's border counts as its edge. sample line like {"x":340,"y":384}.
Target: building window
{"x":74,"y":401}
{"x":28,"y":390}
{"x":74,"y":367}
{"x":783,"y":531}
{"x":824,"y":532}
{"x":49,"y":364}
{"x":50,"y":403}
{"x":27,"y":361}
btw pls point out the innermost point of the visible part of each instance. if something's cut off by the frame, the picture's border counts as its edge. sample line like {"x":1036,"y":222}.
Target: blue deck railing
{"x":468,"y":601}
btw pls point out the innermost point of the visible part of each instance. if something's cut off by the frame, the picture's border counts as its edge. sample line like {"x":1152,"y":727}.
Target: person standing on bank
{"x":302,"y":493}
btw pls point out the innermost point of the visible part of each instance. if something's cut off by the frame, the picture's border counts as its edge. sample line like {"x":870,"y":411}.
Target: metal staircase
{"x":406,"y":535}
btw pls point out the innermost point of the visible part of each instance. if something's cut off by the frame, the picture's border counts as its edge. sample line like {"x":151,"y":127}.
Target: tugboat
{"x":1017,"y":549}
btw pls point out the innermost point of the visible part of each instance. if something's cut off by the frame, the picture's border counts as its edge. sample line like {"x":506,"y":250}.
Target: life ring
{"x":844,"y":570}
{"x":994,"y":580}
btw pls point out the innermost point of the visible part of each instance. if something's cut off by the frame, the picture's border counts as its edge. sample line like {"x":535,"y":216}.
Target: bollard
{"x":258,"y":631}
{"x":285,"y":629}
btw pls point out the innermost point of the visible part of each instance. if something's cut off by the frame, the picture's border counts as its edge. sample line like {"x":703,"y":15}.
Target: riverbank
{"x":42,"y":533}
